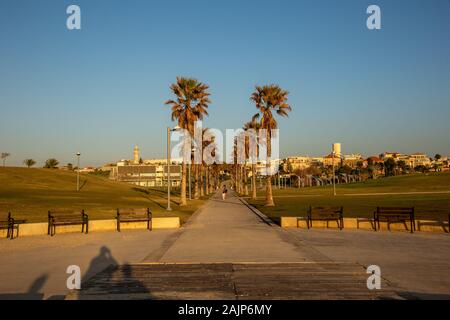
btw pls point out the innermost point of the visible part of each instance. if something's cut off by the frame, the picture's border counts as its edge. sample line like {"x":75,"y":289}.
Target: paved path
{"x":229,"y":231}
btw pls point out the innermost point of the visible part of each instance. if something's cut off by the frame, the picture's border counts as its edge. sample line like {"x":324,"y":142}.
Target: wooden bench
{"x":395,"y":215}
{"x":134,"y":215}
{"x":65,"y":218}
{"x":326,"y":214}
{"x":7,"y":222}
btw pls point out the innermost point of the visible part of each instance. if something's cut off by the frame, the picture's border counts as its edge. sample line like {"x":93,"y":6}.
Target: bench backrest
{"x":66,"y":215}
{"x":395,"y":210}
{"x":331,"y":212}
{"x":142,"y":212}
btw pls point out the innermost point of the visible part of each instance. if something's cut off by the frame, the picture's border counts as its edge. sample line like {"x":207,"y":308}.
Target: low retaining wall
{"x":352,"y":223}
{"x":35,"y":229}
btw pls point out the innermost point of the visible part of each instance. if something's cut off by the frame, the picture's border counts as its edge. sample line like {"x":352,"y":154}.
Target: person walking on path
{"x":224,"y":192}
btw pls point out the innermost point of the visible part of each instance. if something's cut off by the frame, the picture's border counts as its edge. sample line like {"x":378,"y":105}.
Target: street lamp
{"x":169,"y":130}
{"x":334,"y":177}
{"x":78,"y":171}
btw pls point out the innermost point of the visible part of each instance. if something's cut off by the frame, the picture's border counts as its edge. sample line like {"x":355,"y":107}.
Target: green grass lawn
{"x":30,"y":193}
{"x":360,"y":199}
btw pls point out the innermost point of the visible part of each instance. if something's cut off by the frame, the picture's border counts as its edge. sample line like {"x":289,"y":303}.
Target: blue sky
{"x":100,"y":90}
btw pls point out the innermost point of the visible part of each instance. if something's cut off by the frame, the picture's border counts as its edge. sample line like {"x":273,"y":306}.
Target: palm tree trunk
{"x":183,"y":184}
{"x":269,"y":196}
{"x":254,"y":181}
{"x":207,"y":180}
{"x":202,"y":181}
{"x":196,"y":178}
{"x":245,"y":180}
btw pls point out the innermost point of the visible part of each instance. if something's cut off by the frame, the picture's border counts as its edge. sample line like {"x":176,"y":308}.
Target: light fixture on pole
{"x":168,"y":165}
{"x":78,"y":171}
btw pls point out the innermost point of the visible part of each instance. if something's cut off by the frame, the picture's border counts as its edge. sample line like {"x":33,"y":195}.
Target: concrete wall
{"x":34,"y":229}
{"x":351,"y":223}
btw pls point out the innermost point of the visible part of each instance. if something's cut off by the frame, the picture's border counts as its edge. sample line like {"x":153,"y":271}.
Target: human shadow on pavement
{"x":102,"y":261}
{"x":32,"y":293}
{"x":115,"y":283}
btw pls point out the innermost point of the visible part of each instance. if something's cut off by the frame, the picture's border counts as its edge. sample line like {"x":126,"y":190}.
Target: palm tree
{"x":29,"y":162}
{"x":191,"y":104}
{"x":253,"y":125}
{"x":51,"y":163}
{"x":4,"y":156}
{"x":269,"y":99}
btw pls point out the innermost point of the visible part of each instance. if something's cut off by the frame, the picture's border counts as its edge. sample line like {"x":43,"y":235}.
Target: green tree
{"x":437,"y":157}
{"x":401,"y":165}
{"x":389,"y":167}
{"x":51,"y":164}
{"x":269,"y":99}
{"x":29,"y":162}
{"x":190,"y":105}
{"x":4,"y":156}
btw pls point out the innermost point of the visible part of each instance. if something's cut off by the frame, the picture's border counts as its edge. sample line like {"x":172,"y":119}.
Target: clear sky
{"x":101,"y":89}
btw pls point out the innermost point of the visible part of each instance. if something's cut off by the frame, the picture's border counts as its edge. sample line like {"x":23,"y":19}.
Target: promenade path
{"x":229,"y":231}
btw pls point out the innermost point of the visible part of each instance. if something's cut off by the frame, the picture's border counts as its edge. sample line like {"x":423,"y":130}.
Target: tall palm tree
{"x":253,"y":125}
{"x":191,"y":104}
{"x":269,"y":99}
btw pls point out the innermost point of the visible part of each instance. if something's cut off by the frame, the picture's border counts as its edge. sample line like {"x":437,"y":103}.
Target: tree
{"x":51,"y":163}
{"x":4,"y":156}
{"x":70,"y":166}
{"x":253,"y":125}
{"x":389,"y":166}
{"x":29,"y":162}
{"x":401,"y":164}
{"x":420,"y":168}
{"x":269,"y":99}
{"x":191,"y":104}
{"x":437,"y":157}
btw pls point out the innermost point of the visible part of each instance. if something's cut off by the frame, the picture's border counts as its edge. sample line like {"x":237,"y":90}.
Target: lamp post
{"x":78,"y":171}
{"x":168,"y":166}
{"x":334,"y":177}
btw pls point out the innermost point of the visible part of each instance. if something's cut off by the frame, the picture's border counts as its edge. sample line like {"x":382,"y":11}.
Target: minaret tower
{"x":136,"y":154}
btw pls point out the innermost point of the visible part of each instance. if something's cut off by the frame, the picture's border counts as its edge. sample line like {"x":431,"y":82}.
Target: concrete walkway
{"x":229,"y":231}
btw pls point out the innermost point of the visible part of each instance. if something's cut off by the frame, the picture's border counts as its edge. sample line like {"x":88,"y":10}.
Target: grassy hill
{"x":428,"y":193}
{"x":30,"y":193}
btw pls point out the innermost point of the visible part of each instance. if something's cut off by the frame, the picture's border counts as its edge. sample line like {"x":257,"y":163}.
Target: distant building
{"x":352,"y":160}
{"x":147,"y":175}
{"x":292,"y":164}
{"x":136,"y":155}
{"x":87,"y":170}
{"x":329,"y":159}
{"x":418,"y":159}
